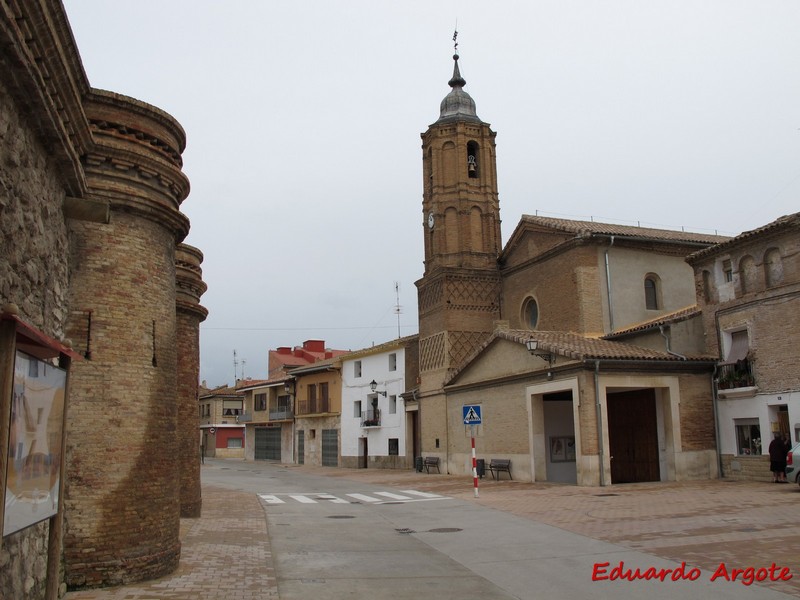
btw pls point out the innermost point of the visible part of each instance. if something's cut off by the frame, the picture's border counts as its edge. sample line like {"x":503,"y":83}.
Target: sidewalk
{"x":226,"y":553}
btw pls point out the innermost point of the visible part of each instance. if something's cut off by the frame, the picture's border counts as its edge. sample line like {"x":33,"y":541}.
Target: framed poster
{"x":34,"y":452}
{"x":562,"y":449}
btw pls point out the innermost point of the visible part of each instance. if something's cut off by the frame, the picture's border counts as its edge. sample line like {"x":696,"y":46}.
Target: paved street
{"x":333,"y":533}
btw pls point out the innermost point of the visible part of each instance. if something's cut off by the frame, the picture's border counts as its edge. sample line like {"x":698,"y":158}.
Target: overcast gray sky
{"x":303,"y":121}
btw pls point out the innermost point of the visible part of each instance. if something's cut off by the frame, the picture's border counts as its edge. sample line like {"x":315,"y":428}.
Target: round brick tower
{"x":122,"y":495}
{"x":190,"y":286}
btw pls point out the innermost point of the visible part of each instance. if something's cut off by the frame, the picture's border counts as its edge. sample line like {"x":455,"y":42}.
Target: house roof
{"x":666,"y":319}
{"x":580,"y":347}
{"x":222,"y":392}
{"x":390,"y":345}
{"x":784,"y":222}
{"x":320,"y":365}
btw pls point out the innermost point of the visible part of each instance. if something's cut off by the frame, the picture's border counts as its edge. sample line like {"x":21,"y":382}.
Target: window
{"x":738,"y":347}
{"x":530,"y":313}
{"x":748,"y":437}
{"x":312,"y":391}
{"x":651,"y":292}
{"x":357,"y":369}
{"x":323,"y":390}
{"x":727,"y":270}
{"x":394,"y":446}
{"x":393,"y":362}
{"x":357,"y":409}
{"x":260,"y":402}
{"x":392,"y":405}
{"x":234,"y":442}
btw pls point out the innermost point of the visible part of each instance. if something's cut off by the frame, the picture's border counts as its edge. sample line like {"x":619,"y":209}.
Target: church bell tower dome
{"x":458,"y":105}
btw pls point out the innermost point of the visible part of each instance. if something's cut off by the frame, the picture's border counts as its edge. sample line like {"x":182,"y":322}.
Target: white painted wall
{"x":374,"y":366}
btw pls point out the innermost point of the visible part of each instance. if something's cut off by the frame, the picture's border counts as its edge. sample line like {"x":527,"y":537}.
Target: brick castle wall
{"x":123,"y":493}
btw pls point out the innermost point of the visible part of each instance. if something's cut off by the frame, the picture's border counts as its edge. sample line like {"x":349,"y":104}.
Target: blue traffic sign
{"x":471,"y":414}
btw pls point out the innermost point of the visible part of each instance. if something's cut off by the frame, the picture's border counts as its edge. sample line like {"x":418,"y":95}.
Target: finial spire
{"x":457,"y":80}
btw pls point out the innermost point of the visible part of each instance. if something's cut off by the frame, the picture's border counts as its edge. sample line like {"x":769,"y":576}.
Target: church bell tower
{"x":459,"y":293}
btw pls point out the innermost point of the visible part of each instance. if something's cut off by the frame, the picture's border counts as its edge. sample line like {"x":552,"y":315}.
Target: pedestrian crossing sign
{"x":471,"y":414}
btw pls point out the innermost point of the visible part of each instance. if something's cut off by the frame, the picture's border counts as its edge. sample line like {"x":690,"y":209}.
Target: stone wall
{"x":34,"y":276}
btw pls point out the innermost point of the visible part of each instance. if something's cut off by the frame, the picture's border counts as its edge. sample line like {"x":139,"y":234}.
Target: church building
{"x":580,"y":341}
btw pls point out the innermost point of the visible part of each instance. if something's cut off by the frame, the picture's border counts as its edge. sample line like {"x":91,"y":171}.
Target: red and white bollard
{"x":474,"y":462}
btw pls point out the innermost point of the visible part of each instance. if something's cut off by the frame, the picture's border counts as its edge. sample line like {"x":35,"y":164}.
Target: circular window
{"x":530,"y":313}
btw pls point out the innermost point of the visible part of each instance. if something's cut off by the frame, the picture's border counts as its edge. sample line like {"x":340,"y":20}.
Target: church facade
{"x":580,"y":341}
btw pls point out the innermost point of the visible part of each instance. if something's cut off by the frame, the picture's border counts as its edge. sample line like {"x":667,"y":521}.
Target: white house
{"x":374,"y":431}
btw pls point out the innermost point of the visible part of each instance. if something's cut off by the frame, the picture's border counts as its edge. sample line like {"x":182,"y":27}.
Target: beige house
{"x":749,"y":292}
{"x":318,"y":408}
{"x":221,"y":434}
{"x":268,"y":419}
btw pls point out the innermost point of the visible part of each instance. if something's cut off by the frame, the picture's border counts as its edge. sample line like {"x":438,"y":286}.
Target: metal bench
{"x":499,"y":465}
{"x":430,"y":462}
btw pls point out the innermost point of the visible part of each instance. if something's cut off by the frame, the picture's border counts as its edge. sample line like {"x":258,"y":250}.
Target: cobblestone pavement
{"x":226,"y":553}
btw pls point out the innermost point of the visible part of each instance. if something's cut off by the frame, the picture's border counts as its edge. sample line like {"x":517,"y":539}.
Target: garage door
{"x":330,"y":447}
{"x":268,"y":443}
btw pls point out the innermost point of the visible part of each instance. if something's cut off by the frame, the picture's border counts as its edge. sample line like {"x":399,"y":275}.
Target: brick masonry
{"x":71,"y":156}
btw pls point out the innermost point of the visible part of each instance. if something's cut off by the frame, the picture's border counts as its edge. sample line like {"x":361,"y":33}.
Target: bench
{"x":430,"y":462}
{"x":499,"y":465}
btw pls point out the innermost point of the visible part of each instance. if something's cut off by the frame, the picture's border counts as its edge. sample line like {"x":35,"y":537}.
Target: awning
{"x":740,"y":345}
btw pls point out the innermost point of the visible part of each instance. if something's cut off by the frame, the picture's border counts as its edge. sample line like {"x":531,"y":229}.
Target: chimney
{"x":314,"y":345}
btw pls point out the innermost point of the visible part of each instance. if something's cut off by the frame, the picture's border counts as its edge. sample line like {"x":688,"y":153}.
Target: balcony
{"x":371,"y":418}
{"x":245,"y":417}
{"x":280,"y":414}
{"x":313,"y":407}
{"x":736,"y":380}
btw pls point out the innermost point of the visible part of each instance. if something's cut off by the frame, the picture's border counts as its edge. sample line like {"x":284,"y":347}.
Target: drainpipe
{"x":608,"y":288}
{"x":666,"y":338}
{"x":601,"y":451}
{"x":714,"y":398}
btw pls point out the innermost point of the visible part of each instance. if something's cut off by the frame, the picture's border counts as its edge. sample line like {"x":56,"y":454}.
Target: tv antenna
{"x":398,"y":310}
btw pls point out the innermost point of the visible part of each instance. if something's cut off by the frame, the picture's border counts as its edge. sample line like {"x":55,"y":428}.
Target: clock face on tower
{"x":430,"y":220}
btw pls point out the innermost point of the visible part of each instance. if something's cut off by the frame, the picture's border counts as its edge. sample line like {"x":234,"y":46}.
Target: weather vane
{"x":455,"y":36}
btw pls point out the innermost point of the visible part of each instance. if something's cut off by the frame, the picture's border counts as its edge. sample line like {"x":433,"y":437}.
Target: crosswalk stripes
{"x":366,"y":498}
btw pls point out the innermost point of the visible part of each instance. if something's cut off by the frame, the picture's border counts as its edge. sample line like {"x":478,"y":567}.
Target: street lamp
{"x":373,"y":385}
{"x":533,"y":347}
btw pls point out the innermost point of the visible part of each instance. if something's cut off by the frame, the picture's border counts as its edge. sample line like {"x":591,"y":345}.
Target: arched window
{"x":748,"y":274}
{"x":652,"y":292}
{"x":773,"y":267}
{"x":530,"y":313}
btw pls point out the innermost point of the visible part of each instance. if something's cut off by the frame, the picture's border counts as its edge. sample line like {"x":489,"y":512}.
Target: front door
{"x":633,"y":436}
{"x":363,"y":447}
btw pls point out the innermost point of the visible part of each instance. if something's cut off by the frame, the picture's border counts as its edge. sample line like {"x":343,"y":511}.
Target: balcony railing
{"x":371,"y":418}
{"x":312,"y":407}
{"x":736,"y":375}
{"x":280,"y":414}
{"x":245,"y":417}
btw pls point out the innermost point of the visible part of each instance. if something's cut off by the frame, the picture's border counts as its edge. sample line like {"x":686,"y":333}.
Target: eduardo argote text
{"x":743,"y":575}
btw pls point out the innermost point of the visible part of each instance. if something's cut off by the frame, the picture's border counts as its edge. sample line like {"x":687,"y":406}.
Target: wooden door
{"x":633,"y":436}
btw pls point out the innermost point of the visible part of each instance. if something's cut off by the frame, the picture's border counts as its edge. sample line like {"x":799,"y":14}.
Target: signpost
{"x":472,"y":417}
